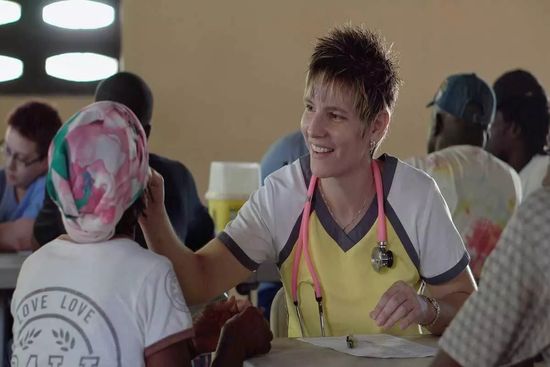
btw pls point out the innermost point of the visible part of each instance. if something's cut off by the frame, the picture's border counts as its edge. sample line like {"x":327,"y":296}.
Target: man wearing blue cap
{"x":481,"y":191}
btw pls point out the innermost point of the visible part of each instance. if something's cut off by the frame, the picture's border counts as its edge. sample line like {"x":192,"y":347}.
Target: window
{"x":10,"y":68}
{"x":9,"y":12}
{"x":57,"y":47}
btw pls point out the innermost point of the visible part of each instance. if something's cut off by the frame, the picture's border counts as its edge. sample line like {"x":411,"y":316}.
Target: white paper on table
{"x":376,"y":346}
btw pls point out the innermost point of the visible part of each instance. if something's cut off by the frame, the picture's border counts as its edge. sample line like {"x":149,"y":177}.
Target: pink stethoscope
{"x":381,"y":256}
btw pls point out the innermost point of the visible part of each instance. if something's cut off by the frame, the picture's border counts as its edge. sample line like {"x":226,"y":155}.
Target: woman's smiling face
{"x":336,"y":137}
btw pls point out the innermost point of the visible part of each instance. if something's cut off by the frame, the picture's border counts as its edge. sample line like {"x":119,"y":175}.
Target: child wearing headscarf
{"x":94,"y":297}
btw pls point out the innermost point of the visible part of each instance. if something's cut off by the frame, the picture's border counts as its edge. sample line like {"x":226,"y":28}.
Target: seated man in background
{"x":284,"y":151}
{"x":518,"y":133}
{"x":189,"y":218}
{"x":31,"y":127}
{"x":481,"y":191}
{"x":507,"y":321}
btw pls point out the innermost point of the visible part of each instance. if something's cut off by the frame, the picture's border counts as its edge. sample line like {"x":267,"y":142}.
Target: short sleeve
{"x":507,"y":319}
{"x":249,"y":236}
{"x":441,"y":174}
{"x":163,"y":315}
{"x":442,"y":252}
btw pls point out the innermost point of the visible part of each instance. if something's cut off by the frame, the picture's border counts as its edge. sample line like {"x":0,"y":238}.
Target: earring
{"x":372,"y":147}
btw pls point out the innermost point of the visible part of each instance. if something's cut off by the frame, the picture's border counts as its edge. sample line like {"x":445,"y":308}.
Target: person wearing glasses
{"x":30,"y":129}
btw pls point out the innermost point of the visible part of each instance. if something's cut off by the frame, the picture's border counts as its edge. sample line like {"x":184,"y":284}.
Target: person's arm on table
{"x":401,"y":304}
{"x":202,"y":275}
{"x":16,"y":235}
{"x":243,"y":336}
{"x":208,"y":325}
{"x":450,"y":296}
{"x":443,"y":264}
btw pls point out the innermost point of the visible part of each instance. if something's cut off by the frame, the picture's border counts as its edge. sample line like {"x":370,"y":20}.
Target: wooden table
{"x":292,"y":352}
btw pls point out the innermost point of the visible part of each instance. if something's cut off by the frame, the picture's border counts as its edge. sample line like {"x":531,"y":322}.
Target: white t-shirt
{"x":482,"y":193}
{"x":103,"y":304}
{"x":533,"y":173}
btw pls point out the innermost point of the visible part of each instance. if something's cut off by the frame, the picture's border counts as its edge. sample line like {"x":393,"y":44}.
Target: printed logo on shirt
{"x":173,"y":291}
{"x":62,"y":327}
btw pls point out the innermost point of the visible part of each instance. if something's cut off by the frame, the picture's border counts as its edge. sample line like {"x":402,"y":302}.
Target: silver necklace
{"x":355,"y":217}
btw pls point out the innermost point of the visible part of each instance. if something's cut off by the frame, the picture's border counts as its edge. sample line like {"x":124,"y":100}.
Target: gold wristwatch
{"x":432,"y":301}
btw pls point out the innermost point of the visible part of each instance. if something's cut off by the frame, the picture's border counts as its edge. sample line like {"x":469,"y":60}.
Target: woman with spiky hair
{"x":372,"y":231}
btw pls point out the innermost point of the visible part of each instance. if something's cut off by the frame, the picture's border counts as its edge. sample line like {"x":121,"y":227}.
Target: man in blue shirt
{"x":284,"y":151}
{"x":30,"y":130}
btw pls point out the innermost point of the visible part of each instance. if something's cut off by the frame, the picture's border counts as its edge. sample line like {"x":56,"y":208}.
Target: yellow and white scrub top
{"x":425,"y":243}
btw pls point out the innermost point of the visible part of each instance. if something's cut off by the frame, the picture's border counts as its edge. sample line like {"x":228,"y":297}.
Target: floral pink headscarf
{"x":98,"y":166}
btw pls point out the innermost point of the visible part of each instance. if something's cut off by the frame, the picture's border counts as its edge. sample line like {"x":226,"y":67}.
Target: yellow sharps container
{"x":229,"y":187}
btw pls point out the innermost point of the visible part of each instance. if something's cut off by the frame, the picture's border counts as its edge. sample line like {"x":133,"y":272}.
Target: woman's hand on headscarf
{"x":154,"y":197}
{"x":155,"y":187}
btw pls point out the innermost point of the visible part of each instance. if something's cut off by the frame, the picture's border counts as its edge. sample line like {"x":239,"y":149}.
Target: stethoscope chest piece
{"x":381,"y":257}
